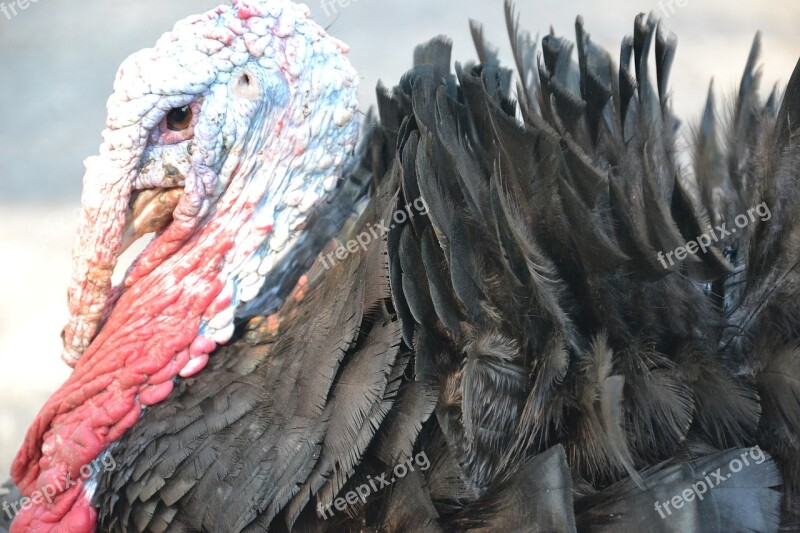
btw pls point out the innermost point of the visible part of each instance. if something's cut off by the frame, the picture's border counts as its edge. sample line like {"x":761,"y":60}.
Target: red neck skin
{"x":143,"y":345}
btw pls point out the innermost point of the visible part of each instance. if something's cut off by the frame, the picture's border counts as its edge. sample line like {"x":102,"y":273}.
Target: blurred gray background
{"x":58,"y":61}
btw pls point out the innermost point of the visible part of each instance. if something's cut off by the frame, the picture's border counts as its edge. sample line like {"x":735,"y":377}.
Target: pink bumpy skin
{"x":267,"y":116}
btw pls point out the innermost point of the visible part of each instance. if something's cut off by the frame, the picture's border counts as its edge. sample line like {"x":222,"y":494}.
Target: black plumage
{"x":521,"y":332}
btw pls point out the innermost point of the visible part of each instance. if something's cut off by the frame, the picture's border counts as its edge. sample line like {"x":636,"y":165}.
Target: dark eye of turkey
{"x":179,"y":118}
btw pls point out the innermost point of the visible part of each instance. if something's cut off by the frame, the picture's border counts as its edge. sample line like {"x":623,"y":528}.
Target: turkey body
{"x":518,"y":325}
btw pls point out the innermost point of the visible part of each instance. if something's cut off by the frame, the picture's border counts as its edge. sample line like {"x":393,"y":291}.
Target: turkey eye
{"x":179,"y":118}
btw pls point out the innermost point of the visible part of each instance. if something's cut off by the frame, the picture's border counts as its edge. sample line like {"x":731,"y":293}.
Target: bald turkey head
{"x":220,"y":139}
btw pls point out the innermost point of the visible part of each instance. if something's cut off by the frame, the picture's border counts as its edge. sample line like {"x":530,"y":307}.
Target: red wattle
{"x":73,"y":513}
{"x":142,"y":346}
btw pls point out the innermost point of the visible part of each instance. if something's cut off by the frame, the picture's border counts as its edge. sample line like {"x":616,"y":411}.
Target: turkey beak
{"x":149,"y":211}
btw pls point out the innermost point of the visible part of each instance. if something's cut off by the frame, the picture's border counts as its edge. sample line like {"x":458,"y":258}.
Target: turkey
{"x":504,"y":303}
